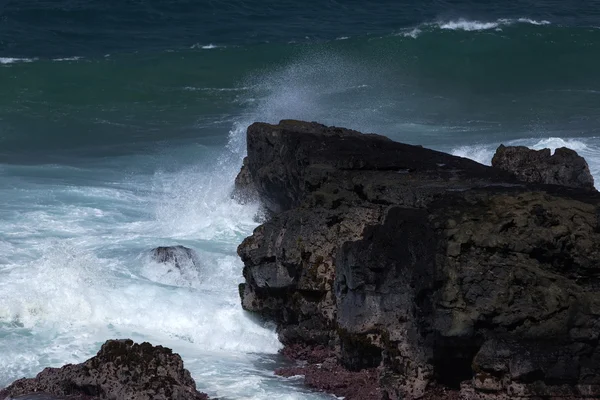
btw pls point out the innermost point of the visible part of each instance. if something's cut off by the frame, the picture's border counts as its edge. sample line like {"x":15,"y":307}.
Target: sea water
{"x":122,"y":128}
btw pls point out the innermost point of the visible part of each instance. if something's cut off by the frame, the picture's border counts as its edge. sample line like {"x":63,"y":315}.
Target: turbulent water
{"x":122,"y":128}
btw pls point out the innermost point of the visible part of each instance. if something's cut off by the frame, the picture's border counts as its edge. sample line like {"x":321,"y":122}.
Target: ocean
{"x":122,"y":128}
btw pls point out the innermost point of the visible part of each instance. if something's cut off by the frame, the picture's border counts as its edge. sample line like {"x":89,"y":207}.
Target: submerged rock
{"x":122,"y":369}
{"x":179,"y":257}
{"x":173,"y":265}
{"x":443,"y":274}
{"x":565,"y":167}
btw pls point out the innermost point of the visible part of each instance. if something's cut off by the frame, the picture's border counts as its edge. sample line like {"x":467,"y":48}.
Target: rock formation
{"x":564,"y":167}
{"x":436,"y":270}
{"x":122,"y":370}
{"x":177,"y":256}
{"x":244,"y":189}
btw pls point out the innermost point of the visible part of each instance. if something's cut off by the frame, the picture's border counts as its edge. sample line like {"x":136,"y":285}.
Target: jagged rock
{"x":122,"y":370}
{"x":564,"y":167}
{"x":244,"y":190}
{"x":437,"y":270}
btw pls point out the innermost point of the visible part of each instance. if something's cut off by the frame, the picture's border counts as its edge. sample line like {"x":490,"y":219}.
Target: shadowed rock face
{"x":121,"y":370}
{"x":432,"y":268}
{"x":244,"y":189}
{"x":565,"y":167}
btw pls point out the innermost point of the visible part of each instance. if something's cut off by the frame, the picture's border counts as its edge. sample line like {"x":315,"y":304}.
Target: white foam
{"x":474,"y":25}
{"x":413,"y":33}
{"x":196,"y":203}
{"x":533,"y":22}
{"x":74,"y":281}
{"x":70,"y":291}
{"x":554,"y":143}
{"x":466,"y":25}
{"x":74,"y":58}
{"x":481,"y":153}
{"x":205,"y":46}
{"x":11,"y":60}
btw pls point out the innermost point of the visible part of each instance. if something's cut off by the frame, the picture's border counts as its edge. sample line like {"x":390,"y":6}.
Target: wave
{"x":413,"y":33}
{"x":11,"y":60}
{"x":467,"y":25}
{"x":74,"y":58}
{"x":205,"y":46}
{"x":554,"y":143}
{"x":425,"y":76}
{"x":16,"y":60}
{"x":463,"y":24}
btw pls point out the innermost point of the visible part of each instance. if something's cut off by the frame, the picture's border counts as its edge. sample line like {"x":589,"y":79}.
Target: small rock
{"x":179,"y":256}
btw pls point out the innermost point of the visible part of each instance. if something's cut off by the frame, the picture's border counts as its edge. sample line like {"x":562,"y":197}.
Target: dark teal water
{"x":140,"y":74}
{"x":122,"y":128}
{"x":88,"y":27}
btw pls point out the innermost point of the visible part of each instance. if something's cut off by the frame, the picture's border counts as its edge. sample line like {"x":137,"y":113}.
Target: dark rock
{"x":310,"y":354}
{"x":179,"y":257}
{"x":293,"y":160}
{"x":46,"y":396}
{"x":122,"y":369}
{"x":244,"y":190}
{"x":444,"y":274}
{"x":565,"y":167}
{"x":324,"y":373}
{"x":335,"y":379}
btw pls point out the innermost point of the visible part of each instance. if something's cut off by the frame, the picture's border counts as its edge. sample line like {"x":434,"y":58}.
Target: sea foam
{"x":11,"y":60}
{"x":474,"y":25}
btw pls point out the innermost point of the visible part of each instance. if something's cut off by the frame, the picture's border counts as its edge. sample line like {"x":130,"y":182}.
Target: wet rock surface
{"x":122,"y":370}
{"x":179,"y":257}
{"x":440,"y":274}
{"x":244,"y":189}
{"x":322,"y":371}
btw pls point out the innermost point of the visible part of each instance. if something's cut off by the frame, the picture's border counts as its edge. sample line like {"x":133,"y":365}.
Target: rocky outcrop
{"x":565,"y":167}
{"x":441,"y":273}
{"x":179,"y":257}
{"x":122,"y":370}
{"x":244,"y":190}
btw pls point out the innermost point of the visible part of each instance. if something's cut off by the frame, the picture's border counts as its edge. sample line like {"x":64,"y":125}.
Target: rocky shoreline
{"x":396,"y":272}
{"x":437,"y":272}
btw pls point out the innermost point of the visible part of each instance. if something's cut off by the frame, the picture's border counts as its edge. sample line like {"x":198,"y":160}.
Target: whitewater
{"x":97,"y":171}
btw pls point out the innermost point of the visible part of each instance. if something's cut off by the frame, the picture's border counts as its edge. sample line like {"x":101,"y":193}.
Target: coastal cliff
{"x":429,"y":270}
